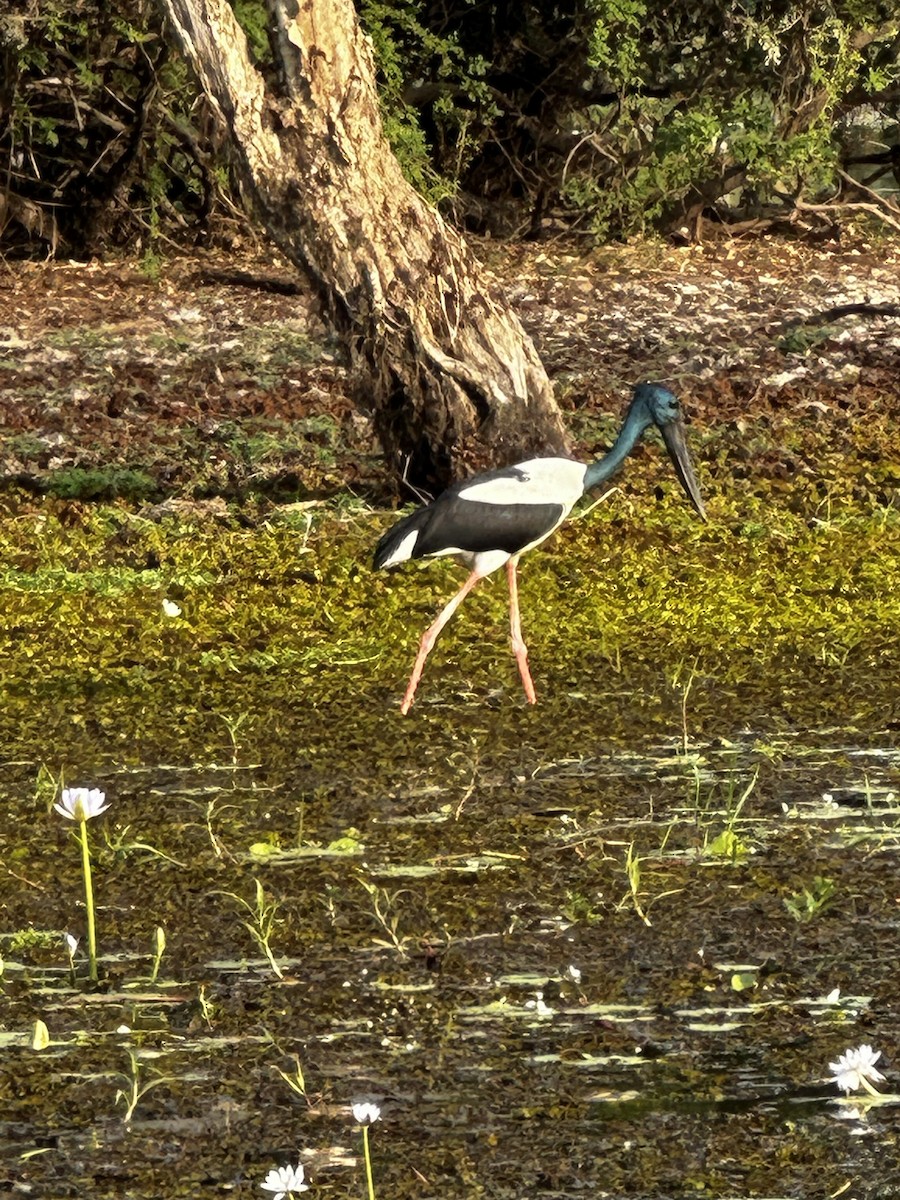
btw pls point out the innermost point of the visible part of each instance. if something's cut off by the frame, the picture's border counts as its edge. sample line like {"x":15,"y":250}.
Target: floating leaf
{"x":742,"y":981}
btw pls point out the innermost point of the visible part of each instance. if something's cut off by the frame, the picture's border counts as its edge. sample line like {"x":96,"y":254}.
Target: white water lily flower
{"x":366,"y":1114}
{"x":855,"y":1069}
{"x":80,"y":804}
{"x":284,"y":1181}
{"x":171,"y":609}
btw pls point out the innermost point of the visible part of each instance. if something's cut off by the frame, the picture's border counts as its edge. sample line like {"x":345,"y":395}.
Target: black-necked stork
{"x":493,"y":518}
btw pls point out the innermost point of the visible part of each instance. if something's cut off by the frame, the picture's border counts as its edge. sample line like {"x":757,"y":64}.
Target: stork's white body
{"x":487,"y":520}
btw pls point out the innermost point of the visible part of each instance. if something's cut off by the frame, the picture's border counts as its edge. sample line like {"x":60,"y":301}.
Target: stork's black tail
{"x":399,"y":543}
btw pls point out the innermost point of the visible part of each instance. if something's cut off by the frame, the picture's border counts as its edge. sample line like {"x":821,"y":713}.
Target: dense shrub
{"x":99,"y":139}
{"x":617,"y":117}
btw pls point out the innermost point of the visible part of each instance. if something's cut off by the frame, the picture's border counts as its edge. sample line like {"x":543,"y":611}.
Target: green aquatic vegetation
{"x":296,"y":1080}
{"x":209,"y":811}
{"x":634,"y":874}
{"x":584,"y":908}
{"x":722,"y":800}
{"x":287,"y":612}
{"x":120,"y":845}
{"x":746,"y":980}
{"x":807,"y":903}
{"x":31,"y":939}
{"x":682,"y":682}
{"x":233,"y":725}
{"x":386,"y":910}
{"x":727,"y":846}
{"x":159,"y":949}
{"x":133,"y":1088}
{"x":261,"y":921}
{"x":47,"y":785}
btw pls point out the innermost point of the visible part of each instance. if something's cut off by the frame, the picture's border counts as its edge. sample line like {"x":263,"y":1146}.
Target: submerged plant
{"x":81,"y":805}
{"x":366,"y":1114}
{"x":261,"y":921}
{"x":285,"y":1181}
{"x":684,"y":685}
{"x":856,"y":1069}
{"x":727,"y":845}
{"x":297,"y":1081}
{"x":233,"y":724}
{"x":134,"y":1091}
{"x":633,"y":874}
{"x":385,"y":907}
{"x":810,"y":901}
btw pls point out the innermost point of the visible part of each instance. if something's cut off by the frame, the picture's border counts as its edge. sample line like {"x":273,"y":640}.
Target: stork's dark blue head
{"x":655,"y":405}
{"x":659,"y":404}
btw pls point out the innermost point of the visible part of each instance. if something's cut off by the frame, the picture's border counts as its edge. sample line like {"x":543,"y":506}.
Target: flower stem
{"x":88,"y":900}
{"x":369,"y":1181}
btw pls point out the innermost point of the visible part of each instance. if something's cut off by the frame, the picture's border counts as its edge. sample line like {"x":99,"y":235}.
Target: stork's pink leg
{"x":430,"y":636}
{"x":515,"y":628}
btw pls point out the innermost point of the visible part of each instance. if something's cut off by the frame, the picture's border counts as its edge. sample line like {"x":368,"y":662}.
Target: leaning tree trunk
{"x":452,"y":377}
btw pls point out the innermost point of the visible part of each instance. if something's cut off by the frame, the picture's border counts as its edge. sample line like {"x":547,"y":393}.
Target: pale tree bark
{"x":451,"y":376}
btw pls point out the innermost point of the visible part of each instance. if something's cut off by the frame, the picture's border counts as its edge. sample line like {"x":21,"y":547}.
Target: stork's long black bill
{"x":673,"y":436}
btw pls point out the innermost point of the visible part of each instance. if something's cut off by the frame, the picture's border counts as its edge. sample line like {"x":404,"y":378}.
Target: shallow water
{"x":427,"y":928}
{"x":606,"y":946}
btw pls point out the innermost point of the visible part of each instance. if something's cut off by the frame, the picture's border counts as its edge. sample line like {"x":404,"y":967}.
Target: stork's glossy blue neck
{"x":601,"y":470}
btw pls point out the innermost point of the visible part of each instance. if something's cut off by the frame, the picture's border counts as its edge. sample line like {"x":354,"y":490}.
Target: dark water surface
{"x":606,"y":946}
{"x":460,"y":938}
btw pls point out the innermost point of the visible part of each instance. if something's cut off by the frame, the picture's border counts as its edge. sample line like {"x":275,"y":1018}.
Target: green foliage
{"x":807,"y":903}
{"x":621,"y":115}
{"x":614,"y":39}
{"x":92,"y":142}
{"x":406,"y":49}
{"x":26,"y":446}
{"x":751,"y":99}
{"x":87,"y":483}
{"x":586,"y":909}
{"x":254,"y":20}
{"x":31,"y":939}
{"x":409,"y":144}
